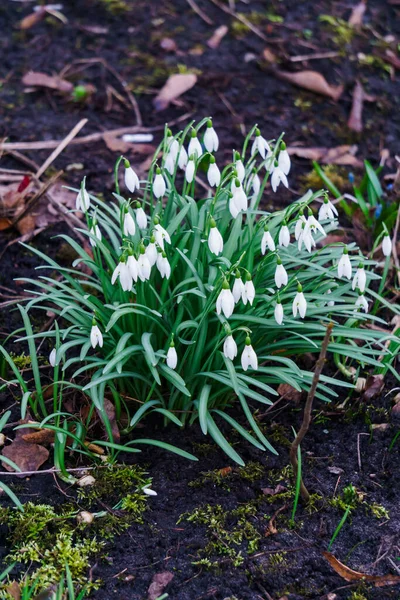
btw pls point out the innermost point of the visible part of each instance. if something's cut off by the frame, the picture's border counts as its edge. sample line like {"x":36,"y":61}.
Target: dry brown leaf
{"x":54,"y":82}
{"x":28,"y":457}
{"x":4,"y":223}
{"x":217,"y":37}
{"x":273,"y":491}
{"x":175,"y":86}
{"x":312,"y":81}
{"x":26,"y":224}
{"x":14,"y":590}
{"x":350,"y":575}
{"x":40,"y":436}
{"x":168,"y":44}
{"x":357,"y":14}
{"x":32,"y":19}
{"x":109,"y":409}
{"x":374,"y":385}
{"x":355,"y":119}
{"x":289,"y":393}
{"x":339,"y":155}
{"x":269,"y":56}
{"x":159,"y":583}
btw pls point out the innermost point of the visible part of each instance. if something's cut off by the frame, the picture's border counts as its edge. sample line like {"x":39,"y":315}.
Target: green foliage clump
{"x":252,"y":471}
{"x":113,"y":483}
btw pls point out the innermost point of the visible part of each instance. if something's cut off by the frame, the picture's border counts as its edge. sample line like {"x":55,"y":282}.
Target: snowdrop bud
{"x":281,"y":276}
{"x":240,"y":171}
{"x":238,"y":288}
{"x":143,"y":263}
{"x":255,"y":182}
{"x":82,"y":200}
{"x":211,"y":141}
{"x":133,"y":268}
{"x":194,"y":147}
{"x":96,"y":337}
{"x":163,"y":265}
{"x":215,"y":241}
{"x":327,"y":211}
{"x":52,"y":357}
{"x":284,"y":159}
{"x":344,"y":264}
{"x":278,"y":312}
{"x":151,"y":251}
{"x":267,"y":241}
{"x":277,"y":177}
{"x":95,"y":231}
{"x":299,"y":303}
{"x":249,"y":292}
{"x":131,"y":179}
{"x":147,"y":490}
{"x":172,"y":357}
{"x":159,"y":186}
{"x":249,"y":357}
{"x":213,"y":173}
{"x":141,"y":217}
{"x":225,"y":301}
{"x":189,"y":171}
{"x":360,"y":278}
{"x":183,"y":158}
{"x":362,"y":302}
{"x":230,"y":347}
{"x":260,"y":145}
{"x":129,"y":223}
{"x":161,"y":234}
{"x":386,"y":245}
{"x":284,"y":235}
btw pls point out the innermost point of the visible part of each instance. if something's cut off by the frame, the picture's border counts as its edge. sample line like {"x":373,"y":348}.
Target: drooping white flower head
{"x":131,"y":179}
{"x":327,"y":211}
{"x":267,"y":242}
{"x":163,"y":265}
{"x":239,"y":197}
{"x":284,"y":159}
{"x":213,"y":173}
{"x":254,"y":182}
{"x":133,"y":268}
{"x":169,"y":163}
{"x":360,"y":278}
{"x":225,"y":300}
{"x":96,"y":232}
{"x":344,"y":265}
{"x":194,"y":148}
{"x":386,"y":245}
{"x":249,"y":357}
{"x":161,"y":234}
{"x":362,"y":302}
{"x":313,"y":225}
{"x":238,"y":287}
{"x":172,"y":357}
{"x":82,"y":202}
{"x":278,"y":312}
{"x":215,"y":240}
{"x":239,"y":167}
{"x":305,"y":238}
{"x":122,"y":272}
{"x":299,"y":303}
{"x":211,"y":141}
{"x":183,"y":158}
{"x":190,"y":168}
{"x":249,"y":292}
{"x":52,"y":357}
{"x":151,"y":251}
{"x":141,"y":217}
{"x":129,"y":226}
{"x":260,"y":145}
{"x":96,"y":337}
{"x":277,"y":177}
{"x":230,"y":347}
{"x":159,"y":186}
{"x":143,"y":263}
{"x":281,"y":276}
{"x":300,"y":223}
{"x":284,"y":235}
{"x":171,"y":153}
{"x":233,"y":209}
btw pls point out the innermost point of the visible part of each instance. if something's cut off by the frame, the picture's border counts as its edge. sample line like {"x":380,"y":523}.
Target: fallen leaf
{"x":54,"y":82}
{"x":357,"y":14}
{"x":312,"y":81}
{"x":273,"y":491}
{"x":32,"y":19}
{"x":339,"y":155}
{"x":158,"y":584}
{"x":109,"y":409}
{"x":289,"y":393}
{"x":350,"y":575}
{"x":175,"y":86}
{"x":168,"y":44}
{"x":4,"y":223}
{"x":28,"y":457}
{"x":335,"y":470}
{"x":355,"y":119}
{"x":14,"y":590}
{"x":26,"y":224}
{"x":225,"y":471}
{"x":217,"y":36}
{"x":269,"y":56}
{"x":373,"y":386}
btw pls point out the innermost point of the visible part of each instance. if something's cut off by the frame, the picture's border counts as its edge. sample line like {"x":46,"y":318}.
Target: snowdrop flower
{"x":240,"y":171}
{"x":277,"y":177}
{"x":148,"y":491}
{"x":284,"y":235}
{"x":225,"y":300}
{"x":314,"y":225}
{"x":238,"y":288}
{"x":194,"y":147}
{"x":169,"y":163}
{"x":163,"y":265}
{"x":215,"y":241}
{"x":330,"y":302}
{"x":233,"y":209}
{"x":82,"y":202}
{"x":278,"y":312}
{"x":131,"y":179}
{"x":386,"y":245}
{"x":249,"y":357}
{"x":211,"y":140}
{"x":254,"y":182}
{"x":172,"y":152}
{"x":96,"y":337}
{"x":344,"y":265}
{"x":362,"y":302}
{"x":305,"y":238}
{"x":230,"y":347}
{"x":95,"y":230}
{"x":327,"y":211}
{"x":299,"y":303}
{"x":159,"y":186}
{"x":161,"y":234}
{"x":281,"y":276}
{"x":151,"y":251}
{"x":260,"y":145}
{"x":267,"y":241}
{"x":213,"y":173}
{"x":284,"y":159}
{"x":183,"y":158}
{"x":172,"y":357}
{"x":52,"y":357}
{"x":141,"y":217}
{"x":189,"y":171}
{"x":249,"y":292}
{"x":133,"y":268}
{"x":144,"y":266}
{"x":122,"y":271}
{"x":301,"y":221}
{"x":129,"y":226}
{"x":239,"y":197}
{"x":360,"y":278}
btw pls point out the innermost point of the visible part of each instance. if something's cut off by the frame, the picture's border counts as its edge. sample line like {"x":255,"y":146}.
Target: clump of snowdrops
{"x":196,"y":300}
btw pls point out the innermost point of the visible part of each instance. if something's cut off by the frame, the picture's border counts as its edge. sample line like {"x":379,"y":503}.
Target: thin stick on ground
{"x":307,"y":412}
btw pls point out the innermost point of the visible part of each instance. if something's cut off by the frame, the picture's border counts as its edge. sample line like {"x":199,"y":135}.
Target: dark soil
{"x":235,"y":93}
